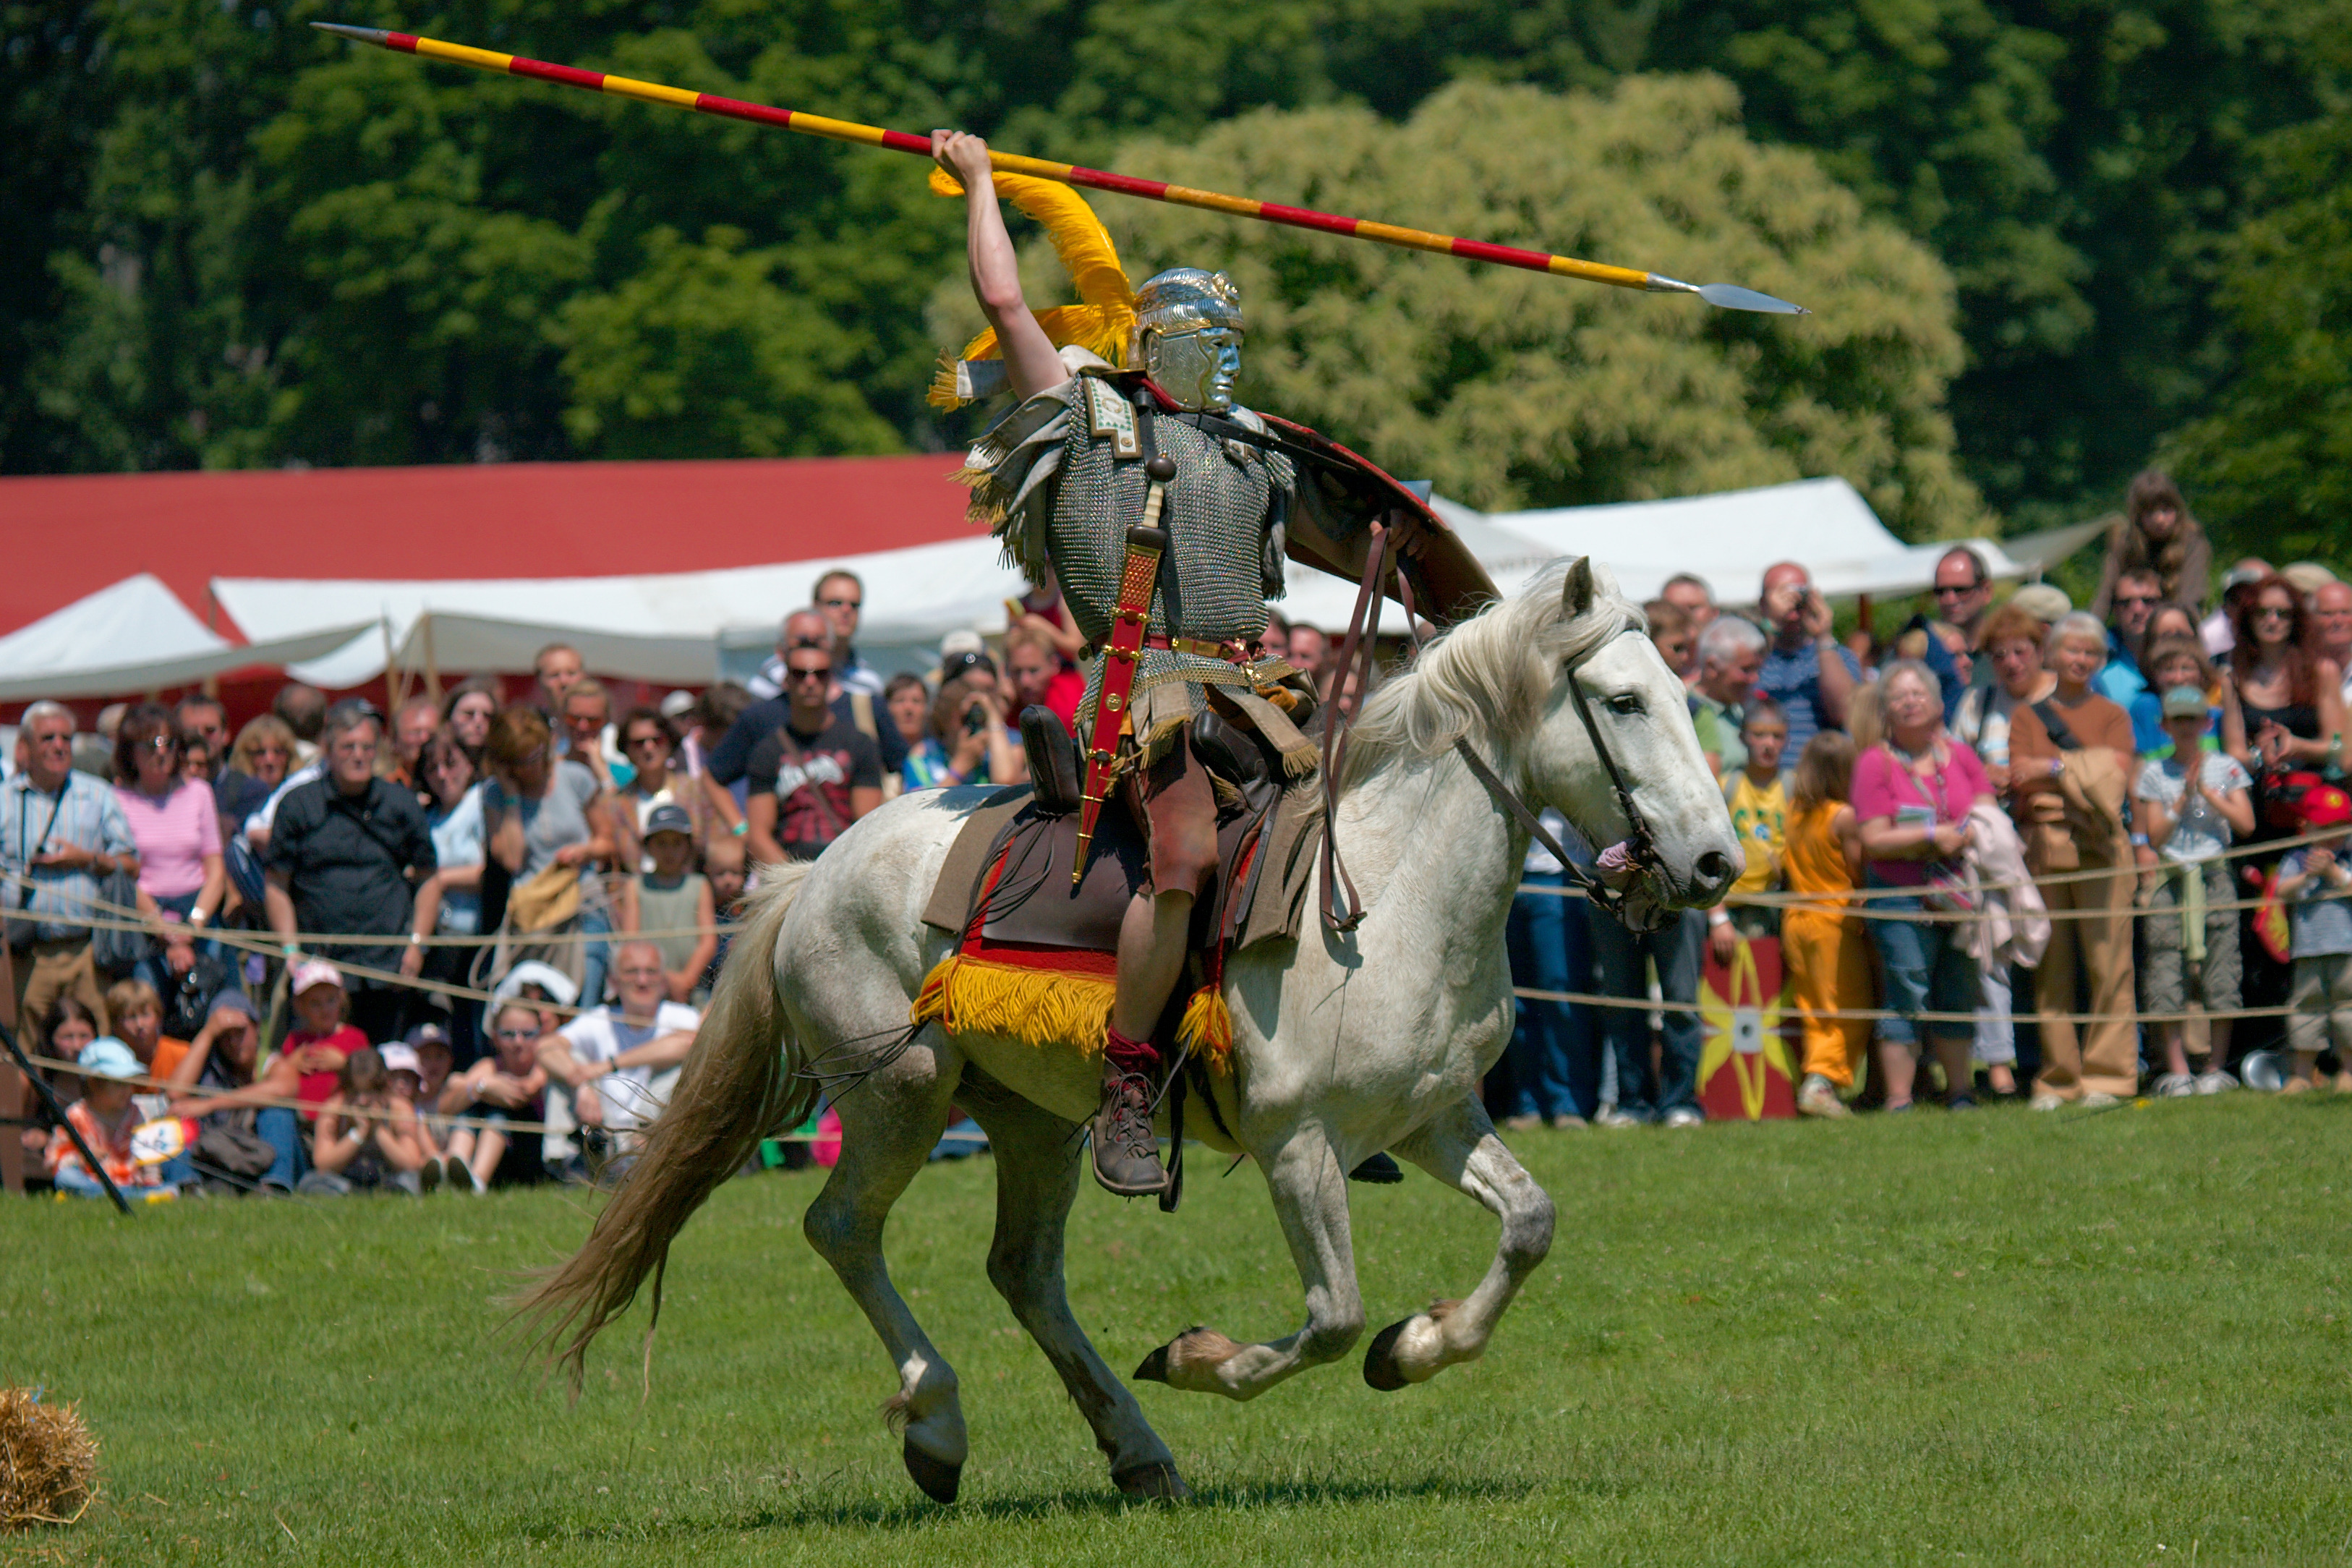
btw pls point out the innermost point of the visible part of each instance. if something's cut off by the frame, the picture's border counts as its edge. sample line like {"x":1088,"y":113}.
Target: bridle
{"x":1638,"y":851}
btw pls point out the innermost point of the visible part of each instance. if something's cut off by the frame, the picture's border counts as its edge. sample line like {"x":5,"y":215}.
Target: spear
{"x":1725,"y":295}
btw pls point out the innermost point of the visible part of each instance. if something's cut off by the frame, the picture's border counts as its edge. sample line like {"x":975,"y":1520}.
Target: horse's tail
{"x":741,"y":1083}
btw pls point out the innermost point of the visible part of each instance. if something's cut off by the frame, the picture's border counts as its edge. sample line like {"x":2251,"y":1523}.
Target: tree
{"x":2270,"y":469}
{"x":1515,"y":389}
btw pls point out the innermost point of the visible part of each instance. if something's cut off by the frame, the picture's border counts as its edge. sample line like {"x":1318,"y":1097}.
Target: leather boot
{"x":1127,"y":1155}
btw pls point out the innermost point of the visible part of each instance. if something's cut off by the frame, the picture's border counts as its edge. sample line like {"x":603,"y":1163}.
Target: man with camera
{"x":1805,"y":669}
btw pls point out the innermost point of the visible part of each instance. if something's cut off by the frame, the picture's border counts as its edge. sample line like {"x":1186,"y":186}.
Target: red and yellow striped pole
{"x":1723,"y":294}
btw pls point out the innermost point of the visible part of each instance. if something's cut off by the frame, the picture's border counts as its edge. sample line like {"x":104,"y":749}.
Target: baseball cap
{"x":2184,"y":702}
{"x":558,"y":986}
{"x":2045,"y":602}
{"x":399,"y":1058}
{"x":966,"y":641}
{"x":235,"y":1001}
{"x":425,"y":1035}
{"x":2326,"y":806}
{"x":669,"y":819}
{"x":2243,"y":574}
{"x":314,"y":971}
{"x":107,"y":1057}
{"x":677,"y":704}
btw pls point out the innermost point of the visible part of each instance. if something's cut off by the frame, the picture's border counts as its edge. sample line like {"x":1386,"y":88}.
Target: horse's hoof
{"x":1380,"y":1171}
{"x":1381,"y":1368}
{"x":1157,"y":1480}
{"x":1154,"y":1367}
{"x":937,"y":1478}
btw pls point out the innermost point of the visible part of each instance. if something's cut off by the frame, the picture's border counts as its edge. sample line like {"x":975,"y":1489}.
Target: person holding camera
{"x":969,"y":741}
{"x":1806,"y":670}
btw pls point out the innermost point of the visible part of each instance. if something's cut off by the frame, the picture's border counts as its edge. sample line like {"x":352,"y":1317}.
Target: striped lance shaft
{"x":1722,"y":294}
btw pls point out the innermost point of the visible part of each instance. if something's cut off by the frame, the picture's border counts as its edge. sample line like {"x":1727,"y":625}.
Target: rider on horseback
{"x":1089,"y":454}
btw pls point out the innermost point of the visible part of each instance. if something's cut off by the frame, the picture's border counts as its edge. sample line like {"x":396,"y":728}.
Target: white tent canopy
{"x":687,"y":628}
{"x":670,"y":628}
{"x":136,"y":636}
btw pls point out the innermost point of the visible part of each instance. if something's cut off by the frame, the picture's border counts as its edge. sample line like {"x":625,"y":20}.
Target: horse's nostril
{"x":1715,"y":866}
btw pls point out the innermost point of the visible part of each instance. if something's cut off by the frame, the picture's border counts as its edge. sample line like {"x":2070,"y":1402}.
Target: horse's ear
{"x":1576,"y":593}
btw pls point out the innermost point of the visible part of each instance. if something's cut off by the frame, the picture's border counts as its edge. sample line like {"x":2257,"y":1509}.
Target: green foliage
{"x":1916,"y":1339}
{"x":2271,"y":464}
{"x":236,"y":241}
{"x":1514,"y":389}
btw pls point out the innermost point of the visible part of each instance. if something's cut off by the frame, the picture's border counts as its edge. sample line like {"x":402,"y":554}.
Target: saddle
{"x":1036,"y":955}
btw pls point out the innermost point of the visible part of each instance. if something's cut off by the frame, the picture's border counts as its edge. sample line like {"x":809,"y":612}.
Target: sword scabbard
{"x":1146,"y":544}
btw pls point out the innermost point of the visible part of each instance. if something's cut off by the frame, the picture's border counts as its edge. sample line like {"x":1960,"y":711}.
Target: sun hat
{"x":107,"y":1057}
{"x":559,"y":987}
{"x":2045,"y":602}
{"x":2326,"y":806}
{"x":2308,"y":577}
{"x":2185,"y":702}
{"x":314,"y":971}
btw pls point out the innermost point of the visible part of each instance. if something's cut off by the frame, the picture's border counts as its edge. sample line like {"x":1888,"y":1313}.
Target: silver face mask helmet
{"x":1187,"y":336}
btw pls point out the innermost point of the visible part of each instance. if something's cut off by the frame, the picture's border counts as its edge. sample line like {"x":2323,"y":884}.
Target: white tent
{"x":674,"y":628}
{"x":135,"y":636}
{"x":687,"y":628}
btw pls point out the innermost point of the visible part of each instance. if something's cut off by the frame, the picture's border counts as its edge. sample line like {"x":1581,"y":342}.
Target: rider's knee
{"x":1184,"y":858}
{"x":1332,"y":1332}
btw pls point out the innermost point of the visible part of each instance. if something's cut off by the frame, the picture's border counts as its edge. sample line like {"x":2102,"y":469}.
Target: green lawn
{"x":2112,"y":1337}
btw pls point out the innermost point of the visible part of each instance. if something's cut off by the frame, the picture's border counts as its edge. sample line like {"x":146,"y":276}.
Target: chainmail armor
{"x":1219,"y":570}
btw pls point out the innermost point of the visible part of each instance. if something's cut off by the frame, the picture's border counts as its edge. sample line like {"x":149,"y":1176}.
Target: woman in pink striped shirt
{"x":182,"y":877}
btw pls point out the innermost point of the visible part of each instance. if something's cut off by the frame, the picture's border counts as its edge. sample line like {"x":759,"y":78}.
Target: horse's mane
{"x":1495,"y":672}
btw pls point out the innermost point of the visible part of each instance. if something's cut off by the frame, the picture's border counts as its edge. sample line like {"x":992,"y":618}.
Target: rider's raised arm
{"x":1029,"y":355}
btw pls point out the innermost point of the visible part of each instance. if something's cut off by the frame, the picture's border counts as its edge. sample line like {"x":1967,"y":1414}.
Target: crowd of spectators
{"x":2019,"y":850}
{"x":1986,"y":848}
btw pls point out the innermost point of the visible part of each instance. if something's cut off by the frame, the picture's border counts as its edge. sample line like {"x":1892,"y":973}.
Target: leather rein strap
{"x":1364,"y":630}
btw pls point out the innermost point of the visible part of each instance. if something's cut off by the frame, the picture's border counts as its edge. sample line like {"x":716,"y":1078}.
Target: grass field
{"x":2114,"y":1337}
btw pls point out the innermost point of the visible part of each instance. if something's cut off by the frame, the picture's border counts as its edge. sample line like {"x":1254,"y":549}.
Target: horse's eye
{"x":1625,"y":702}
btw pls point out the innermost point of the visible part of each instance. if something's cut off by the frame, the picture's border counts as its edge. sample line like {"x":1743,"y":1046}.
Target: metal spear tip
{"x":1725,"y":296}
{"x":361,"y":35}
{"x":1730,"y":296}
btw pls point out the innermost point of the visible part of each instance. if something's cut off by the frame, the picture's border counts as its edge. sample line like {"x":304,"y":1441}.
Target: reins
{"x":1342,"y":908}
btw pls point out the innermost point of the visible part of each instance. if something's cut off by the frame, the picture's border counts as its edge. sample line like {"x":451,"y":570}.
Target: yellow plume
{"x":1103,"y":324}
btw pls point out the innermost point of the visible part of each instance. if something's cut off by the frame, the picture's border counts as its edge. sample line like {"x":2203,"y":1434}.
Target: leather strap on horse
{"x":1146,"y":544}
{"x":1337,"y":884}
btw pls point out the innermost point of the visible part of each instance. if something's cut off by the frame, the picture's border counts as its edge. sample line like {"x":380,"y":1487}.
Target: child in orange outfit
{"x":1823,"y":944}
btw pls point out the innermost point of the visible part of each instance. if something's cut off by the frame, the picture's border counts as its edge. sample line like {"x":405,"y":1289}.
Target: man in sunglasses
{"x":2137,"y":592}
{"x":1963,"y":594}
{"x":815,"y":774}
{"x":63,"y":832}
{"x":840,"y":598}
{"x":723,"y":771}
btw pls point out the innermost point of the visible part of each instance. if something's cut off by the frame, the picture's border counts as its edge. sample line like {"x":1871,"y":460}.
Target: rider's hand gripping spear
{"x":1728,"y":296}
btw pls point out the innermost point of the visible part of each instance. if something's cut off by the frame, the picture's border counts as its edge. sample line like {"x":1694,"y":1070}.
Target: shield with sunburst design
{"x":1744,"y":1070}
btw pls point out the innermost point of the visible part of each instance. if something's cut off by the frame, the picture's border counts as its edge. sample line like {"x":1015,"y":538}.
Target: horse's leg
{"x":1309,"y":1186}
{"x":890,"y":1124}
{"x":1458,"y":1146}
{"x":1037,"y":1160}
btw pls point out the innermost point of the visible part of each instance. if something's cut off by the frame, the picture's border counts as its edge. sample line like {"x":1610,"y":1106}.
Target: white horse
{"x":1343,"y":1045}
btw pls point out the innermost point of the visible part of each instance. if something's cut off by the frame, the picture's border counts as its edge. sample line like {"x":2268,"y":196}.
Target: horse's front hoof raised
{"x":937,"y":1478}
{"x":1157,"y":1480}
{"x":1381,"y":1368}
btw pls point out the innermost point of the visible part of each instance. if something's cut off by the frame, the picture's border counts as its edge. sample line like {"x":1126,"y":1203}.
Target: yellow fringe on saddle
{"x":1041,"y":1009}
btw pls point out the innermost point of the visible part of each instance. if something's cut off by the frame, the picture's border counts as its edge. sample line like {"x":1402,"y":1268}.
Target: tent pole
{"x":211,"y":618}
{"x":395,"y":680}
{"x":431,"y":664}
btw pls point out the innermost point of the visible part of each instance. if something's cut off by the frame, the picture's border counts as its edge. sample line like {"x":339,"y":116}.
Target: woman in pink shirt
{"x":182,"y":877}
{"x":1912,"y":791}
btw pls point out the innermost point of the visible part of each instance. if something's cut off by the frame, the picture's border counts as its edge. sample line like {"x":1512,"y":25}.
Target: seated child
{"x":105,"y":1117}
{"x":507,"y":1086}
{"x":366,"y":1136}
{"x":2314,"y":883}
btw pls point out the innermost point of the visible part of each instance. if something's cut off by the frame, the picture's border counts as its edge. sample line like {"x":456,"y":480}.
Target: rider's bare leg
{"x":1458,"y":1146}
{"x":1151,"y":943}
{"x":890,"y":1124}
{"x":1036,"y":1179}
{"x":1309,"y":1187}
